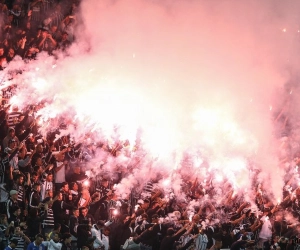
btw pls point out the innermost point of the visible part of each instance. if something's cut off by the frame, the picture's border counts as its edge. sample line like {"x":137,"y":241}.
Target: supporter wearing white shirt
{"x":54,"y":243}
{"x":101,"y":237}
{"x":46,"y":185}
{"x":201,"y":241}
{"x":60,"y":170}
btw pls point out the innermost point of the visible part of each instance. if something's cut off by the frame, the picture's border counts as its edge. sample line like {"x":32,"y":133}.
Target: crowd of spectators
{"x":49,"y":201}
{"x":52,"y":203}
{"x":29,"y":27}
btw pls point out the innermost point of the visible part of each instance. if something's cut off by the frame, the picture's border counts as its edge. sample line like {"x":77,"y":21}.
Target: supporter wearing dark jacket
{"x":74,"y":222}
{"x":77,"y":175}
{"x":15,"y":216}
{"x":153,"y":210}
{"x":154,"y":234}
{"x":34,"y":222}
{"x":61,"y":210}
{"x":120,"y":232}
{"x":84,"y":215}
{"x":35,"y":196}
{"x":237,"y":245}
{"x":168,"y":241}
{"x":66,"y":242}
{"x":83,"y":233}
{"x":102,"y":211}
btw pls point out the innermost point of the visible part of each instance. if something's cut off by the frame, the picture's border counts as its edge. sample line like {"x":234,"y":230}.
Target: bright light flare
{"x":86,"y":183}
{"x":234,"y":169}
{"x":215,"y":123}
{"x":233,"y":194}
{"x":166,"y":182}
{"x":39,"y":84}
{"x":206,"y":118}
{"x":219,"y":178}
{"x":160,"y":141}
{"x":278,"y":201}
{"x":197,"y":162}
{"x":14,"y":101}
{"x":120,"y":108}
{"x":40,"y":122}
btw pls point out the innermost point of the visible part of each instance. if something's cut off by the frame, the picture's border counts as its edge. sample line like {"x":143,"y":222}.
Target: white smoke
{"x":197,"y":78}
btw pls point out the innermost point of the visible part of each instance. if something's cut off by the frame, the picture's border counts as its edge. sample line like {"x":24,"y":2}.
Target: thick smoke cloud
{"x":213,"y":67}
{"x":198,"y":78}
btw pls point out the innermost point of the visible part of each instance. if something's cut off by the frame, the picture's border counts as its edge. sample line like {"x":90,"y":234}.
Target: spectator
{"x":201,"y":240}
{"x":56,"y":18}
{"x":37,"y":243}
{"x":47,"y":214}
{"x":5,"y":228}
{"x":60,"y":171}
{"x":54,"y":242}
{"x":77,"y":176}
{"x":15,"y":217}
{"x":97,"y":234}
{"x":240,"y":243}
{"x":20,"y":237}
{"x":168,"y":241}
{"x":61,"y":212}
{"x":20,"y":187}
{"x":65,"y":192}
{"x":66,"y":241}
{"x":36,"y":7}
{"x":24,"y":164}
{"x":11,"y":136}
{"x":120,"y":232}
{"x":56,"y":230}
{"x":10,"y":55}
{"x":105,"y":237}
{"x":64,"y":43}
{"x":12,"y":119}
{"x":35,"y":196}
{"x":83,"y":233}
{"x":47,"y":185}
{"x":12,"y":203}
{"x":85,"y":198}
{"x":73,"y":226}
{"x":34,"y":222}
{"x":103,"y":189}
{"x":74,"y":193}
{"x":84,"y":215}
{"x":12,"y":245}
{"x":46,"y":41}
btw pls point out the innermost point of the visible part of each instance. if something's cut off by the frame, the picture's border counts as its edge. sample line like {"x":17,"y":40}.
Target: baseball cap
{"x":12,"y":192}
